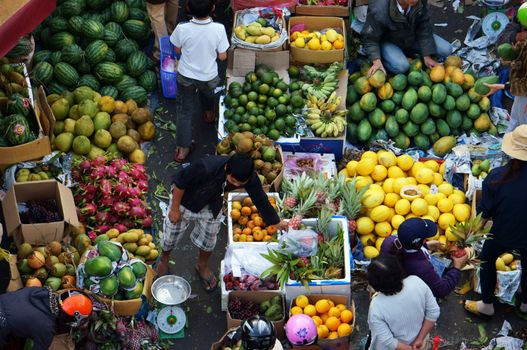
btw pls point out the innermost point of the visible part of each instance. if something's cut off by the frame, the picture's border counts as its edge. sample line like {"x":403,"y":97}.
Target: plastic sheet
{"x":276,"y":17}
{"x":301,"y":242}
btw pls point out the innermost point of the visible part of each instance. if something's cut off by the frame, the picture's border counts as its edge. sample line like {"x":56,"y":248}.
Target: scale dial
{"x":494,"y":23}
{"x":171,"y":319}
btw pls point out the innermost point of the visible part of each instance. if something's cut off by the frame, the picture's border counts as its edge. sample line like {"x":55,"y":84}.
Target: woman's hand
{"x":417,"y":343}
{"x":377,"y":65}
{"x":493,"y":88}
{"x":434,"y":245}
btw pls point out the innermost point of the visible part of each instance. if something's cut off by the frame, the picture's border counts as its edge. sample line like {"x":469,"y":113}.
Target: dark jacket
{"x":518,"y":71}
{"x":28,"y":315}
{"x":384,"y":22}
{"x":508,"y":35}
{"x":419,"y":265}
{"x":204,"y":183}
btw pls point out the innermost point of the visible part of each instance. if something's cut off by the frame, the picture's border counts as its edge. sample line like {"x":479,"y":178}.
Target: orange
{"x":243,"y":238}
{"x":254,"y":216}
{"x":346,"y":316}
{"x":246,"y":211}
{"x":271,"y":229}
{"x":236,"y":237}
{"x":310,"y":310}
{"x":236,"y":205}
{"x":344,"y":330}
{"x":322,"y":306}
{"x":332,"y":323}
{"x":331,"y":302}
{"x":317,"y":320}
{"x":235,"y":214}
{"x":296,"y":310}
{"x":253,"y":209}
{"x":258,"y":235}
{"x":243,"y":220}
{"x":322,"y":331}
{"x":250,"y":238}
{"x":267,"y":238}
{"x":338,"y":44}
{"x":334,"y":312}
{"x":237,"y":230}
{"x":301,"y":301}
{"x":333,"y":335}
{"x":247,"y":201}
{"x":247,"y":231}
{"x":341,"y":307}
{"x":250,"y":224}
{"x":324,"y":317}
{"x":258,"y":221}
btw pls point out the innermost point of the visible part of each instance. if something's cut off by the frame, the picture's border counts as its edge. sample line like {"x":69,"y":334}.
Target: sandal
{"x":472,"y":307}
{"x":209,"y":117}
{"x":210,"y":283}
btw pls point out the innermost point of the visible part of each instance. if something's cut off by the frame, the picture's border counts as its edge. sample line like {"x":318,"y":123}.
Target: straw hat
{"x":515,"y":143}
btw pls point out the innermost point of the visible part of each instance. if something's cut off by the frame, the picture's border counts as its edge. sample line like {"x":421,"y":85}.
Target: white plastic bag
{"x":247,"y":260}
{"x":508,"y":283}
{"x":301,"y":242}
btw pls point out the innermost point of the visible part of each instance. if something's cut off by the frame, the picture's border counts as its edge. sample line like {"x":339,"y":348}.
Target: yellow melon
{"x":424,"y":175}
{"x":380,"y":213}
{"x":461,"y":212}
{"x":402,"y":207}
{"x":383,"y":229}
{"x":366,"y":166}
{"x":373,"y":198}
{"x":365,"y":225}
{"x":405,"y":162}
{"x":419,"y":207}
{"x":445,"y":220}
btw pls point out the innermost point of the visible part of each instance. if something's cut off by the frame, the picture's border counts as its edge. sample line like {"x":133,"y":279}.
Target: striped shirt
{"x":399,"y":317}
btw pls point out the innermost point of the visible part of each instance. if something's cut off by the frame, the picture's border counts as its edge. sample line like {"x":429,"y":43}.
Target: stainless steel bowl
{"x":171,"y":290}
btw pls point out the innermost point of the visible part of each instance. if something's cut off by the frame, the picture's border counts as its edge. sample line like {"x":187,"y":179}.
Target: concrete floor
{"x":207,"y":323}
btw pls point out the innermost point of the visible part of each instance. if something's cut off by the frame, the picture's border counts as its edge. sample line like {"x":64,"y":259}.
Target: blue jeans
{"x":394,"y":58}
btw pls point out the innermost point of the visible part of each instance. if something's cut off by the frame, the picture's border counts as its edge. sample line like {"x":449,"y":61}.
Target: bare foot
{"x":162,"y":268}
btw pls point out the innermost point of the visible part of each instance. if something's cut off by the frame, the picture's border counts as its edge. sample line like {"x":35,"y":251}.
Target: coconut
{"x":257,"y":145}
{"x":258,"y":164}
{"x":271,"y":176}
{"x":23,"y":267}
{"x":256,"y":154}
{"x":68,"y":281}
{"x":223,"y":147}
{"x":236,"y":138}
{"x":102,"y":138}
{"x":54,"y":283}
{"x":126,"y":144}
{"x":55,"y":248}
{"x":260,"y":139}
{"x":51,"y":260}
{"x":268,"y":154}
{"x":58,"y":270}
{"x":33,"y":282}
{"x":266,"y":168}
{"x":24,"y":250}
{"x":41,"y":274}
{"x":245,"y":145}
{"x":277,"y":166}
{"x":262,"y":178}
{"x":70,"y":269}
{"x":36,"y":260}
{"x":248,"y":134}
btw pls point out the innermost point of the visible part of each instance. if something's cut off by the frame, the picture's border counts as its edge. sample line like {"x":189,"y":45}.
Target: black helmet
{"x":257,"y":334}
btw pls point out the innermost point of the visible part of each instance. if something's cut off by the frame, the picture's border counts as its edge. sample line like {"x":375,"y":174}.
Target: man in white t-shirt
{"x":200,"y":42}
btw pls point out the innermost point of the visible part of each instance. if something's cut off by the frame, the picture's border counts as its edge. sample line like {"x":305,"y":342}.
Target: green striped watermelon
{"x":83,"y":67}
{"x":108,"y":72}
{"x":124,"y":48}
{"x":136,"y":63}
{"x":22,"y":48}
{"x":122,"y":65}
{"x":138,"y":4}
{"x":139,"y":14}
{"x":125,"y":83}
{"x":58,"y":24}
{"x":136,"y":29}
{"x":71,"y":8}
{"x":109,"y":91}
{"x":148,"y":80}
{"x":97,"y":17}
{"x":93,"y":29}
{"x":42,"y":73}
{"x":41,"y":56}
{"x":75,"y":24}
{"x":66,"y":74}
{"x":97,"y":4}
{"x":114,"y":27}
{"x":110,"y":37}
{"x":72,"y":54}
{"x":96,"y":52}
{"x":136,"y":93}
{"x":89,"y":81}
{"x":45,"y":37}
{"x":106,"y":15}
{"x":55,"y":87}
{"x":110,"y":56}
{"x":55,"y":58}
{"x":119,"y":11}
{"x":60,"y":40}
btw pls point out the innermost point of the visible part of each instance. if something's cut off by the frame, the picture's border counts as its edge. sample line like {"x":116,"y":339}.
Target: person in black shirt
{"x":503,"y":201}
{"x":197,"y":197}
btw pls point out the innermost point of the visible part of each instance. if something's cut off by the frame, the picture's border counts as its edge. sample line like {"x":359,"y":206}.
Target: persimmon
{"x":265,"y":232}
{"x":246,"y":211}
{"x":258,"y":235}
{"x":247,"y":231}
{"x":247,"y":201}
{"x":271,"y":229}
{"x":250,"y":224}
{"x":235,"y":214}
{"x":267,"y":238}
{"x":258,"y":221}
{"x":243,"y":220}
{"x":236,"y":237}
{"x":237,"y":230}
{"x":250,"y":239}
{"x":254,"y":209}
{"x":236,"y":205}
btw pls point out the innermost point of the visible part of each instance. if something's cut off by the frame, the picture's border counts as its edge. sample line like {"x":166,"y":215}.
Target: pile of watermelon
{"x":17,"y":122}
{"x":417,"y":108}
{"x":96,"y":43}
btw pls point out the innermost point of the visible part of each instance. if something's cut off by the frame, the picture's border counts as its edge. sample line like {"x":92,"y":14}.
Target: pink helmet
{"x":301,"y":330}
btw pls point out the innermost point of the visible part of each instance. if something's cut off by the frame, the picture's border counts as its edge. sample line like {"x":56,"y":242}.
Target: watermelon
{"x":124,"y":48}
{"x":106,"y":15}
{"x":60,"y":40}
{"x":42,"y":73}
{"x":18,"y":104}
{"x":108,"y":72}
{"x":119,"y":10}
{"x":72,"y":54}
{"x":55,"y":57}
{"x":126,"y":82}
{"x":138,"y":4}
{"x":135,"y":13}
{"x":84,"y":67}
{"x":75,"y":24}
{"x":96,"y":52}
{"x":41,"y":56}
{"x":89,"y":81}
{"x":17,"y":131}
{"x":109,"y":91}
{"x":22,"y":48}
{"x":136,"y":93}
{"x":148,"y":80}
{"x":110,"y":37}
{"x":136,"y":29}
{"x":110,"y":56}
{"x":65,"y":74}
{"x":55,"y":88}
{"x":93,"y":29}
{"x":45,"y":37}
{"x":58,"y":24}
{"x":114,"y":27}
{"x":97,"y":4}
{"x":71,"y":8}
{"x":136,"y":63}
{"x":97,"y":17}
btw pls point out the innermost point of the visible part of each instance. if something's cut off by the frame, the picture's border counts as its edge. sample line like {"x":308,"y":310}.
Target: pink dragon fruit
{"x":123,"y":177}
{"x":102,"y":228}
{"x":98,"y":173}
{"x":85,"y":166}
{"x":137,"y":212}
{"x":146,"y":222}
{"x":119,"y":164}
{"x":106,"y":187}
{"x":135,"y":202}
{"x":88,"y":210}
{"x":134,"y":192}
{"x":120,"y":227}
{"x":121,"y":190}
{"x":120,"y":208}
{"x":92,"y":235}
{"x":99,"y":161}
{"x":138,"y":172}
{"x":110,"y":171}
{"x":102,"y":217}
{"x":142,"y":185}
{"x":114,"y":219}
{"x":106,"y":202}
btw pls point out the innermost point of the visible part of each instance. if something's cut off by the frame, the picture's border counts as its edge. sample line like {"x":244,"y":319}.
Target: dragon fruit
{"x":134,"y":192}
{"x":105,"y":187}
{"x":120,"y":227}
{"x":98,"y":173}
{"x":120,"y":208}
{"x":106,"y":202}
{"x":135,"y":202}
{"x":121,"y":190}
{"x":138,"y":212}
{"x":142,"y":185}
{"x":99,"y":160}
{"x":102,"y":216}
{"x":88,"y":210}
{"x":147,"y":222}
{"x":85,"y":166}
{"x":102,"y":228}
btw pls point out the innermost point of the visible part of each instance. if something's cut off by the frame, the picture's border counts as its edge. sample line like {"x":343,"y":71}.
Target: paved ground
{"x":206,"y":320}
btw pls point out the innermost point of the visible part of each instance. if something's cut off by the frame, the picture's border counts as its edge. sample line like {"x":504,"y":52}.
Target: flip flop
{"x":472,"y":307}
{"x":210,"y":283}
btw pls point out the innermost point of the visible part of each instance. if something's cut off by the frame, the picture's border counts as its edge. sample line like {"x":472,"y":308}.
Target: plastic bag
{"x":276,"y":17}
{"x":247,"y":260}
{"x":301,"y":242}
{"x":508,"y":283}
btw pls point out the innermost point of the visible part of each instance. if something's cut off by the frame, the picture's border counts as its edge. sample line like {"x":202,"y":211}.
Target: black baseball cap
{"x":414,"y":231}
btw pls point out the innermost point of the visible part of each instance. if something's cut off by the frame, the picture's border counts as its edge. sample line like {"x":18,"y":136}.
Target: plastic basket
{"x":168,"y":79}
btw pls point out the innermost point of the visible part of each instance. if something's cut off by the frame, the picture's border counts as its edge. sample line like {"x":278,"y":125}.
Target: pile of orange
{"x":333,"y":321}
{"x":248,"y":225}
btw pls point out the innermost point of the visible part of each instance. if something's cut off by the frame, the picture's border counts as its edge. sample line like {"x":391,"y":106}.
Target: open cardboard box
{"x":16,"y":282}
{"x":257,"y":297}
{"x":303,"y":55}
{"x":62,"y":342}
{"x":219,"y":344}
{"x":35,"y":149}
{"x":39,"y":234}
{"x":321,"y":10}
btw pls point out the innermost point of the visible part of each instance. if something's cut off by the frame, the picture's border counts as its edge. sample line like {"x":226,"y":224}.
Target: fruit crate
{"x":279,"y":16}
{"x":239,"y":196}
{"x":322,"y":10}
{"x":337,"y":286}
{"x":168,"y":79}
{"x":326,"y":162}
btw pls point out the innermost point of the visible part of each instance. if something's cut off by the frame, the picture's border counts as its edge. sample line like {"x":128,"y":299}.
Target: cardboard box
{"x":39,"y":234}
{"x":331,"y":287}
{"x":329,"y":11}
{"x":16,"y":281}
{"x":303,"y":55}
{"x":62,"y":342}
{"x":357,"y":3}
{"x":219,"y":344}
{"x":131,"y":307}
{"x":257,"y":297}
{"x":341,"y":343}
{"x":33,"y":150}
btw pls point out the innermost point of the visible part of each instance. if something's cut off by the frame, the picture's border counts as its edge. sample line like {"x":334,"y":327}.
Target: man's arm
{"x":425,"y":329}
{"x":261,"y":201}
{"x":425,"y":34}
{"x":440,"y":286}
{"x":371,"y":36}
{"x":174,"y":215}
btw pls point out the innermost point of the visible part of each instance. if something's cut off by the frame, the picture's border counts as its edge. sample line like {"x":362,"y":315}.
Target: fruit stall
{"x":345,"y":157}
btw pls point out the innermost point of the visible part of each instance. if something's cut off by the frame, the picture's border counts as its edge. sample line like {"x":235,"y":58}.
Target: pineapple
{"x":351,"y":203}
{"x":323,"y":222}
{"x":468,"y":233}
{"x":304,"y":207}
{"x":290,"y":202}
{"x":295,"y":191}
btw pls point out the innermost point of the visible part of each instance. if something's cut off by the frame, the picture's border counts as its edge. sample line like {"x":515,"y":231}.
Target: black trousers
{"x":492,"y":249}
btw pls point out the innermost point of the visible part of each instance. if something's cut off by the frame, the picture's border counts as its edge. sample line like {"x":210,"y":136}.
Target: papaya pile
{"x":91,"y":125}
{"x":417,"y":108}
{"x":51,"y":265}
{"x":138,"y":243}
{"x":40,"y":172}
{"x":109,"y":272}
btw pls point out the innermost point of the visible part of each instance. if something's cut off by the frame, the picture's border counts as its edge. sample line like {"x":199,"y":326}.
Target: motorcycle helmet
{"x":522,"y":14}
{"x":301,"y":330}
{"x":257,"y":333}
{"x":75,"y":303}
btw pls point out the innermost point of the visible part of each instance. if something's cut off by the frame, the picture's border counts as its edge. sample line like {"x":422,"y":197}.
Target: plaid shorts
{"x":203,"y":235}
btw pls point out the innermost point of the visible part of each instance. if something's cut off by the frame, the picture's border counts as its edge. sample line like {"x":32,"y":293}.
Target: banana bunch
{"x":322,"y":89}
{"x":323,"y":118}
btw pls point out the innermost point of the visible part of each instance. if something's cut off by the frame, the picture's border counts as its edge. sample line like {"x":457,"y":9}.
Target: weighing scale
{"x":495,"y":21}
{"x":170,"y":291}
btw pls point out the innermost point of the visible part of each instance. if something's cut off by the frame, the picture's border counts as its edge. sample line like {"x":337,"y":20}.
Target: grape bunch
{"x":41,"y":211}
{"x":241,"y":310}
